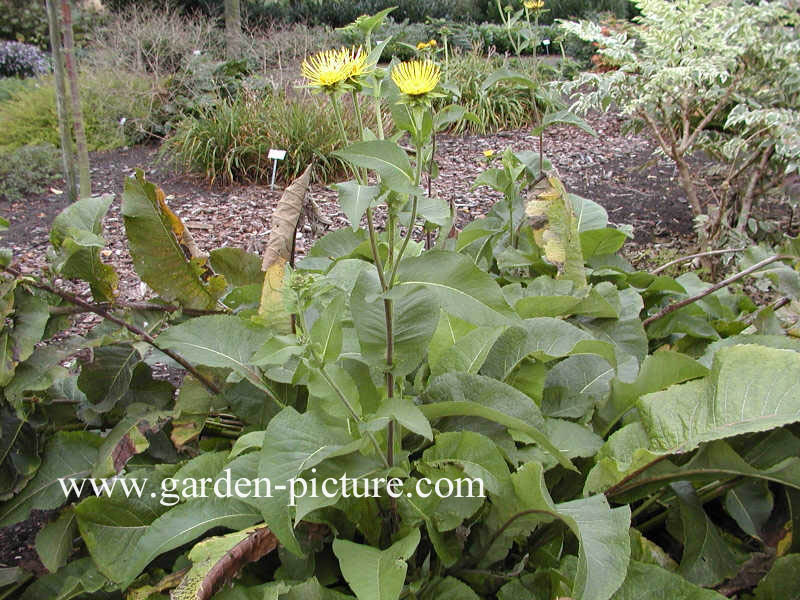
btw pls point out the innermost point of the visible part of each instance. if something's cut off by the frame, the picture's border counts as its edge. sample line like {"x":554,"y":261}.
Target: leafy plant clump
{"x":230,"y":140}
{"x":534,"y":417}
{"x":28,"y":170}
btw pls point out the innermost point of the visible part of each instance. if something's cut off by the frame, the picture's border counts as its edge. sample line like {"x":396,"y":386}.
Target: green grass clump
{"x":117,"y":106}
{"x":230,"y":141}
{"x":28,"y":171}
{"x":503,"y":106}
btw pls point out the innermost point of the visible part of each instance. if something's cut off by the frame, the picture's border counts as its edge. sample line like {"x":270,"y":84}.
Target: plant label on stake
{"x":275,"y":155}
{"x":546,"y":44}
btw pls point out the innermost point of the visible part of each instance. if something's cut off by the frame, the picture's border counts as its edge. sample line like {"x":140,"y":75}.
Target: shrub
{"x":230,"y":141}
{"x":28,"y":170}
{"x":22,"y":60}
{"x":699,"y":76}
{"x":10,"y":85}
{"x":118,"y":108}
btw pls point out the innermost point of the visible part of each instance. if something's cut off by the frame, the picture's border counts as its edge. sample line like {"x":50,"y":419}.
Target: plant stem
{"x":676,"y":305}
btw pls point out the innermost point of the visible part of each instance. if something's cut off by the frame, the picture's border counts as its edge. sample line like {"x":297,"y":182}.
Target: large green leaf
{"x":385,"y":158}
{"x":415,"y":315}
{"x":107,"y":378}
{"x":463,"y":394}
{"x":293,"y":443}
{"x":158,"y":257}
{"x":544,"y":338}
{"x":463,"y":289}
{"x":750,"y":388}
{"x":376,"y":574}
{"x":27,"y":326}
{"x":223,"y":341}
{"x":75,"y":235}
{"x":111,"y":525}
{"x":240,"y":268}
{"x":651,"y":582}
{"x":183,"y":524}
{"x":468,"y":353}
{"x":707,"y":558}
{"x":602,"y":532}
{"x":68,"y":455}
{"x":476,"y":455}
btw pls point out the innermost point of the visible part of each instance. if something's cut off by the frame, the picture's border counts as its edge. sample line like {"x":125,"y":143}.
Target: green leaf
{"x":707,"y":559}
{"x":387,"y":159}
{"x":374,"y":574}
{"x":68,"y":454}
{"x":76,"y":580}
{"x":508,"y":76}
{"x":543,"y":338}
{"x":602,"y":532}
{"x":781,"y":583}
{"x":223,"y":341}
{"x":658,"y":372}
{"x":107,"y":378}
{"x":750,"y":504}
{"x":462,"y":394}
{"x":355,"y":199}
{"x":54,"y":541}
{"x":183,"y":524}
{"x":158,"y":257}
{"x":240,"y":268}
{"x":17,"y":343}
{"x":750,"y":388}
{"x":565,"y":117}
{"x":475,"y":454}
{"x":463,"y":289}
{"x":450,"y":588}
{"x":588,"y":213}
{"x":406,"y":413}
{"x":415,"y":310}
{"x":75,"y":236}
{"x":294,"y":442}
{"x":651,"y":582}
{"x":111,"y":525}
{"x":596,"y":242}
{"x":468,"y":353}
{"x":326,"y":332}
{"x":576,"y":385}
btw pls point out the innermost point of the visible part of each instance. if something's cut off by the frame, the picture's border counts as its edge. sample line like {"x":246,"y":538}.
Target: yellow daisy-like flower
{"x":422,"y":45}
{"x":416,"y":77}
{"x":432,"y":44}
{"x":358,"y":63}
{"x":488,"y":153}
{"x":328,"y":69}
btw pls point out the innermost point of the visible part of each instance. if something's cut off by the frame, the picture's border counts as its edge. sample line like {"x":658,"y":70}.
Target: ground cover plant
{"x":634,"y":434}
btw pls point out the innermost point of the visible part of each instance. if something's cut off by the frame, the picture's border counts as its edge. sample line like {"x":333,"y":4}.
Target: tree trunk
{"x":77,"y":112}
{"x":233,"y":29}
{"x":747,"y":200}
{"x":64,"y":124}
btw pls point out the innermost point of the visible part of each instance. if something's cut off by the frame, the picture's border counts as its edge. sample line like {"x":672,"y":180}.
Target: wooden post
{"x":85,"y":189}
{"x":233,"y":29}
{"x":64,"y":124}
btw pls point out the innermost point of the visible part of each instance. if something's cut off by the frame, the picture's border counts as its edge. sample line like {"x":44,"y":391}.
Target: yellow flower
{"x":358,"y":63}
{"x":488,"y":153}
{"x":416,"y":77}
{"x":328,"y":69}
{"x":432,"y":43}
{"x":422,"y":46}
{"x":529,"y":4}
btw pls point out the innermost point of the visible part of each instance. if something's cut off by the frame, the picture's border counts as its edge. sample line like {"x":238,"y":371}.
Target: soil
{"x":618,"y":171}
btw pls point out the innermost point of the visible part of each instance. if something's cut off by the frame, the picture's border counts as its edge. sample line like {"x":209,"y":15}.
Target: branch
{"x":718,"y":286}
{"x":100,"y":311}
{"x":168,"y":308}
{"x":692,"y":257}
{"x":710,"y":116}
